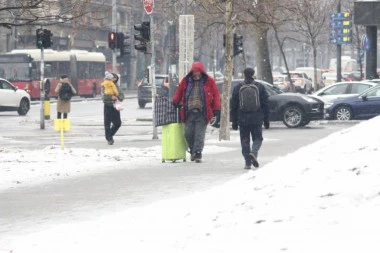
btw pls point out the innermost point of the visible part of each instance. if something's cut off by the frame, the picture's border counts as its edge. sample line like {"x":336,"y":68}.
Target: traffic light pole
{"x":114,"y":13}
{"x":338,"y":56}
{"x":42,"y":111}
{"x":153,"y":74}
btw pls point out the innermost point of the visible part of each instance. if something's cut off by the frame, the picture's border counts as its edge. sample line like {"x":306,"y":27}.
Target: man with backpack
{"x":249,"y":110}
{"x":65,"y":91}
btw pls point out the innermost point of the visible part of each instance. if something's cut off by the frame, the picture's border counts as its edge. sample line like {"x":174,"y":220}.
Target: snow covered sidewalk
{"x":323,"y":198}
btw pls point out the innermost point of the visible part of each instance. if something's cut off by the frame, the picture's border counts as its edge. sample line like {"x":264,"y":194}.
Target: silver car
{"x":342,"y":89}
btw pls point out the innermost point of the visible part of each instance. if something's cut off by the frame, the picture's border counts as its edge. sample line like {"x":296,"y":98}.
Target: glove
{"x":216,"y":113}
{"x":266,"y":124}
{"x":177,"y":106}
{"x":235,"y":126}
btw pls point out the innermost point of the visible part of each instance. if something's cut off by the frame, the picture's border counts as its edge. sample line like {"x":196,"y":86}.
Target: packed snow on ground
{"x":323,"y":198}
{"x":21,"y":167}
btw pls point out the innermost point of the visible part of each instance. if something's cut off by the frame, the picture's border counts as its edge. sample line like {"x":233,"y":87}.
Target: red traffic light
{"x":112,"y":40}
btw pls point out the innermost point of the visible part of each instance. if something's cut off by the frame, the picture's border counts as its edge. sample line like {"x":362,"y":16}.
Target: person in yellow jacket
{"x":109,"y":86}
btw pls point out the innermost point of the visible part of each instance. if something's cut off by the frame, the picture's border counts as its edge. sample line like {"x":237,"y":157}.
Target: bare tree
{"x":42,"y":12}
{"x":311,"y":17}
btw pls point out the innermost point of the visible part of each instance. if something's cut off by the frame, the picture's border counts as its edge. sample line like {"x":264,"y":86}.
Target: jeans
{"x":246,"y":133}
{"x":111,"y":116}
{"x":195,"y":131}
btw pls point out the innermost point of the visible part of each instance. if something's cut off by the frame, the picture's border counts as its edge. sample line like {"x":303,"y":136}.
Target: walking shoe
{"x":255,"y":163}
{"x":247,"y":166}
{"x":198,"y":157}
{"x":111,"y":141}
{"x":192,"y":156}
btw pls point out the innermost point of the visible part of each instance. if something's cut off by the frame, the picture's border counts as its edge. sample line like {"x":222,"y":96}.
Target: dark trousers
{"x":59,"y":115}
{"x":112,"y":121}
{"x":195,"y":131}
{"x":246,"y":133}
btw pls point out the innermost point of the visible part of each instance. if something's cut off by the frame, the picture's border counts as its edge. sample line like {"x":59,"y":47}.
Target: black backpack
{"x":65,"y":93}
{"x":249,"y":97}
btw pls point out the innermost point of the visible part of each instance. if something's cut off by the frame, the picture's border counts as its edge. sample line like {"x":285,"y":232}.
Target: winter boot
{"x":111,"y":141}
{"x":247,"y":166}
{"x":255,"y":163}
{"x":198,"y":157}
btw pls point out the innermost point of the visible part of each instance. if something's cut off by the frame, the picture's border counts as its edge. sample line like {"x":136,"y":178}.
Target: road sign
{"x":340,"y":24}
{"x":341,"y":32}
{"x":341,"y":40}
{"x":365,"y":43}
{"x":340,"y":16}
{"x":148,"y":6}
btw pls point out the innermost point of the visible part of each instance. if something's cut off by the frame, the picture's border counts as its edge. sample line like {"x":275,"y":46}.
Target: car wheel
{"x":293,"y":116}
{"x":24,"y":107}
{"x":343,"y":113}
{"x":142,"y":104}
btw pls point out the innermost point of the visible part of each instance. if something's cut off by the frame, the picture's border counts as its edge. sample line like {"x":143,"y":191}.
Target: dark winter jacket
{"x":209,"y":92}
{"x":249,"y":118}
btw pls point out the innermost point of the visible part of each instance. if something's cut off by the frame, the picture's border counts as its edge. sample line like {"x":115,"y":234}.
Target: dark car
{"x":144,"y":89}
{"x":295,"y":110}
{"x":363,"y":106}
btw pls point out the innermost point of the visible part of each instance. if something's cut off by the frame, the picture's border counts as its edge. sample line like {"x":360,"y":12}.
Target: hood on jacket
{"x":197,"y":66}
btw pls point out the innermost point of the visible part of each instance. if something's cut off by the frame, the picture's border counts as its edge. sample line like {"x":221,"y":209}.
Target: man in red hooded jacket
{"x":200,"y":99}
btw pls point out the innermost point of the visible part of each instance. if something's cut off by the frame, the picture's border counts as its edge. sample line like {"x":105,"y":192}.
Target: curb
{"x":76,"y":100}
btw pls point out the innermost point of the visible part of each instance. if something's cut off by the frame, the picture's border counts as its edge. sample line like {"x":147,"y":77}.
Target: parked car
{"x":363,"y":106}
{"x":310,"y":73}
{"x":218,"y":75}
{"x":281,"y":82}
{"x":13,"y":99}
{"x":302,"y":83}
{"x":144,"y":89}
{"x":342,"y":89}
{"x":294,"y":110}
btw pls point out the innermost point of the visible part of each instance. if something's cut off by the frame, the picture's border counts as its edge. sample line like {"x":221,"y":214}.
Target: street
{"x":126,"y":186}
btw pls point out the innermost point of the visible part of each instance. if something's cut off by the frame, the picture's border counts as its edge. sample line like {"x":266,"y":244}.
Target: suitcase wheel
{"x":163,"y":161}
{"x":184,"y":160}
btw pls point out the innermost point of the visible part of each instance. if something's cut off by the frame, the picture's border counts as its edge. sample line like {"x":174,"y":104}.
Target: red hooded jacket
{"x":209,"y":90}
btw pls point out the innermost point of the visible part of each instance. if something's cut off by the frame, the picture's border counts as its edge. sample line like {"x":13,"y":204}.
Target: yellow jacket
{"x":110,"y":88}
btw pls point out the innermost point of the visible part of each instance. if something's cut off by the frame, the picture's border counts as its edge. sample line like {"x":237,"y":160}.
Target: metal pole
{"x":114,"y":14}
{"x":338,"y":56}
{"x":153,"y":71}
{"x":185,"y":7}
{"x":42,"y":95}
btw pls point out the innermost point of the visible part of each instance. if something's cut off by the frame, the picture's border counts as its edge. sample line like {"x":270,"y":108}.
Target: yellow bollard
{"x":47,"y":109}
{"x":62,"y":125}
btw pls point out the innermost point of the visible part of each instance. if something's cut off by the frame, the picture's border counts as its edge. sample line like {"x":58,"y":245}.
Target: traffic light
{"x":124,"y":43}
{"x":48,"y":35}
{"x":112,"y":40}
{"x":40,"y":38}
{"x":143,"y":35}
{"x":238,"y":44}
{"x":43,"y":38}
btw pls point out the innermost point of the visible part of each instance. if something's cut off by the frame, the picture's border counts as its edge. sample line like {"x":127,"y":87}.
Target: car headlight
{"x":328,"y":105}
{"x":308,"y":99}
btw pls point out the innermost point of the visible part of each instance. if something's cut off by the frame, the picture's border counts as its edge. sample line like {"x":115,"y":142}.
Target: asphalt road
{"x":82,"y":198}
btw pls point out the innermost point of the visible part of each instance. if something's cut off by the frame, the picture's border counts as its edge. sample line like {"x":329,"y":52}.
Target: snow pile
{"x":19,"y":167}
{"x":322,"y":198}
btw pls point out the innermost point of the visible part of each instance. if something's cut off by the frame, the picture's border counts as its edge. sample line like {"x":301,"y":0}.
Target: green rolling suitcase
{"x":173,"y":142}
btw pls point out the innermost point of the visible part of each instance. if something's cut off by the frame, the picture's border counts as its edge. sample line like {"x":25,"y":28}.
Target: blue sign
{"x":340,"y":32}
{"x":340,"y":16}
{"x":365,"y":43}
{"x":340,"y":40}
{"x":340,"y":24}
